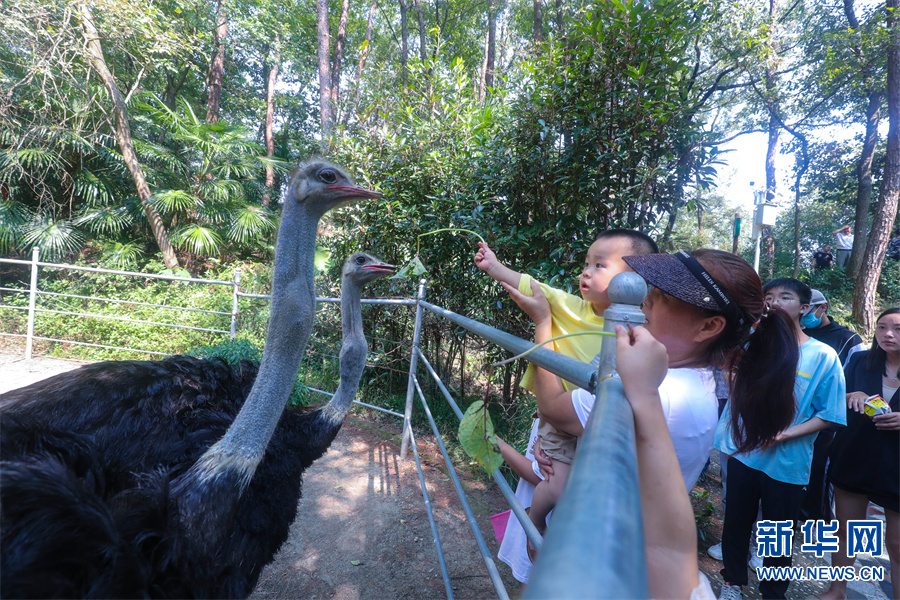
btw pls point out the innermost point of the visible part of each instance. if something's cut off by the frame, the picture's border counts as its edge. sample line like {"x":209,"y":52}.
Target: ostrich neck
{"x":290,"y":324}
{"x":353,"y":352}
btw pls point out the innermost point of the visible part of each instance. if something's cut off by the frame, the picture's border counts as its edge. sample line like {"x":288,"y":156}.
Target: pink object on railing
{"x":499,"y":522}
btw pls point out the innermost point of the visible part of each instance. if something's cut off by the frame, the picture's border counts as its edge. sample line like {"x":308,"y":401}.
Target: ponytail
{"x":764,"y":363}
{"x":762,"y":394}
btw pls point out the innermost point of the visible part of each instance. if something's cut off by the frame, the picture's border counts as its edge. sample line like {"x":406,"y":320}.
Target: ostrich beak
{"x":354,"y":191}
{"x":380,"y":268}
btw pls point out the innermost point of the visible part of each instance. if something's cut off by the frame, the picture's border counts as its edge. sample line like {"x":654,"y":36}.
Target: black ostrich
{"x":157,"y":479}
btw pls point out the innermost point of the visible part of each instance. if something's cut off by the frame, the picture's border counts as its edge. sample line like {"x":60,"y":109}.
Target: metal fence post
{"x":626,"y":291}
{"x":413,"y":361}
{"x":32,"y":301}
{"x":234,"y":302}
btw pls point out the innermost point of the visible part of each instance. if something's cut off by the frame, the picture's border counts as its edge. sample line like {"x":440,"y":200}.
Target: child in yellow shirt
{"x":570,"y":314}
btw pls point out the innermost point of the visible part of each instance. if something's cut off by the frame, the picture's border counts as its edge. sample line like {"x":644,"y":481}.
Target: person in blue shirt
{"x":771,"y":439}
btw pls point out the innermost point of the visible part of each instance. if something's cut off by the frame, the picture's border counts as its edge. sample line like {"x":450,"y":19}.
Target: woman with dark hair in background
{"x":865,"y":456}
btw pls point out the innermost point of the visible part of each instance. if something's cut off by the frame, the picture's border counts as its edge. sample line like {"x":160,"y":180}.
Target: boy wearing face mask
{"x":818,"y":325}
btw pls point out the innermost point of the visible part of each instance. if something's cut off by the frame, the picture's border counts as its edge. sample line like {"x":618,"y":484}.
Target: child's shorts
{"x":557,"y":445}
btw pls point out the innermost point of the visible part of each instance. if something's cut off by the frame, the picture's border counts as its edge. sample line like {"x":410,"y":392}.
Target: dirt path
{"x":362,"y":530}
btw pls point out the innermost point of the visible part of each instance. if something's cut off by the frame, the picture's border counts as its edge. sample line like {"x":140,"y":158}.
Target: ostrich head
{"x":359,"y":270}
{"x":364,"y":268}
{"x":321,"y":186}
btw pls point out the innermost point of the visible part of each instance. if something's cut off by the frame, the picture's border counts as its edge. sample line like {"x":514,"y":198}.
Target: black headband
{"x":728,"y":306}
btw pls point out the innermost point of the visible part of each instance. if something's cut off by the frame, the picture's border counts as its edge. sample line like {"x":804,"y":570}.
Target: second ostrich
{"x":169,"y":486}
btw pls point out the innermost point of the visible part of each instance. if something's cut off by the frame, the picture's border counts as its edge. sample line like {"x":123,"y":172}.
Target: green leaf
{"x":477,"y":437}
{"x":413,"y":269}
{"x":355,"y":563}
{"x":322,"y":259}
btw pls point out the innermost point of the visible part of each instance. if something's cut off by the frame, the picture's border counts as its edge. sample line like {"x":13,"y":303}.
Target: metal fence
{"x":595,"y":548}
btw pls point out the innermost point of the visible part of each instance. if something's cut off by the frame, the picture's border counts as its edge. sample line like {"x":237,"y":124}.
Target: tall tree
{"x":123,"y":133}
{"x":874,"y":97}
{"x":490,"y":51}
{"x":274,"y":63}
{"x":404,"y":42}
{"x":538,"y":22}
{"x":363,"y":56}
{"x":771,"y":101}
{"x":323,"y":45}
{"x":339,"y":54}
{"x":217,"y":66}
{"x":423,"y":33}
{"x":886,"y":210}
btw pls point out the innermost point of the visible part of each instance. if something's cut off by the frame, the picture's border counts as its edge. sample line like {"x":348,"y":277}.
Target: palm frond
{"x":13,"y":217}
{"x":122,"y":255}
{"x":222,"y":190}
{"x":55,"y":237}
{"x":92,"y":189}
{"x":169,"y":201}
{"x":250,"y":222}
{"x":108,"y":219}
{"x":198,"y":239}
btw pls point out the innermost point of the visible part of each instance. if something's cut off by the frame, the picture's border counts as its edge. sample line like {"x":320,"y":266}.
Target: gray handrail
{"x":595,"y":548}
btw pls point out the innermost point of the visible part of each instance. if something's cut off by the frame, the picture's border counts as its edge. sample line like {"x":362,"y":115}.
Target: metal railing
{"x":595,"y":548}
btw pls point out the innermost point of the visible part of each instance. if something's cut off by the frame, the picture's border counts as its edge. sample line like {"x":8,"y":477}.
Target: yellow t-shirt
{"x":569,"y":314}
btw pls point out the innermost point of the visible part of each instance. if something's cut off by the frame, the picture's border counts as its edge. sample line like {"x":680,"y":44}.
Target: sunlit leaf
{"x":412,"y":269}
{"x":198,"y":239}
{"x":477,"y":437}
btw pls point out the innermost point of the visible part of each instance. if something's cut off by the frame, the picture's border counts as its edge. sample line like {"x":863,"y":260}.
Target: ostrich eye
{"x":327,"y":176}
{"x":360,"y":260}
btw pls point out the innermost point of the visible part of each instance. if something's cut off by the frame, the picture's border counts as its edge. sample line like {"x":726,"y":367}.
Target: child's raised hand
{"x":485,"y":259}
{"x":641,"y":361}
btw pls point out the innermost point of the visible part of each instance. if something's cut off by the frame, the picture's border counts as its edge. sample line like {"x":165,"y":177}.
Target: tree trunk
{"x":670,"y":225}
{"x":123,"y":134}
{"x":801,"y":170}
{"x":369,"y":30}
{"x":772,"y":105}
{"x":559,"y":16}
{"x":875,"y":96}
{"x":482,"y":79}
{"x":174,"y":86}
{"x":217,"y":67}
{"x":323,"y":43}
{"x":363,"y":55}
{"x":423,"y":34}
{"x":339,"y":54}
{"x":491,"y":50}
{"x":886,"y":210}
{"x":538,"y":22}
{"x":404,"y":43}
{"x":864,"y":182}
{"x":271,"y":80}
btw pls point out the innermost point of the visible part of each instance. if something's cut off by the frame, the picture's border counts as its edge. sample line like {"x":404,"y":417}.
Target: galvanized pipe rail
{"x":530,"y":530}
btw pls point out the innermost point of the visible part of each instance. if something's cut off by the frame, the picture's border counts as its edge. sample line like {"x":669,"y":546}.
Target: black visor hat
{"x":681,"y":276}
